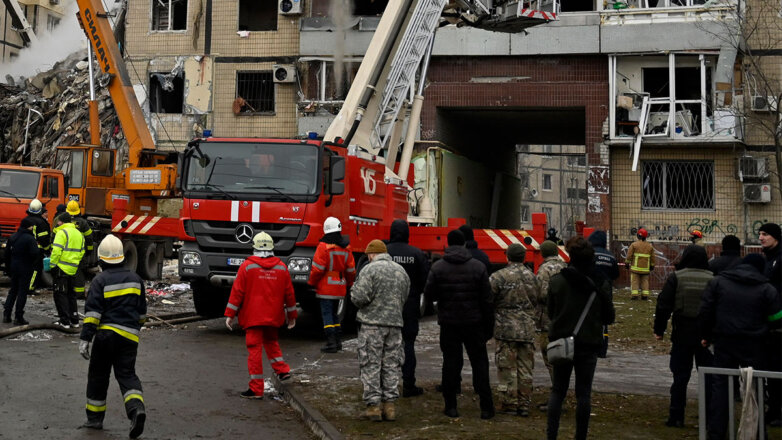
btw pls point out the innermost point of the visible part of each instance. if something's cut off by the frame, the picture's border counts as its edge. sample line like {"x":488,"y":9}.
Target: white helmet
{"x":332,"y":224}
{"x":35,"y":207}
{"x":110,"y":250}
{"x":263,"y":242}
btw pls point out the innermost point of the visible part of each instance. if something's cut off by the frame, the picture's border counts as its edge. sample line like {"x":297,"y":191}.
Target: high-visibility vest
{"x":68,"y":248}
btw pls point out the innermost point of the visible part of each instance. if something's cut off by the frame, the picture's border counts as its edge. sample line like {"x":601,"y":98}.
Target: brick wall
{"x":554,"y":82}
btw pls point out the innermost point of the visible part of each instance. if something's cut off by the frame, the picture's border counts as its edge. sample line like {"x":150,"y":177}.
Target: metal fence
{"x":756,"y":374}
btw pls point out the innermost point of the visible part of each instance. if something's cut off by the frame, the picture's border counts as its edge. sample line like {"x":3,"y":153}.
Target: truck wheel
{"x":209,"y":300}
{"x":131,"y":255}
{"x":149,"y":266}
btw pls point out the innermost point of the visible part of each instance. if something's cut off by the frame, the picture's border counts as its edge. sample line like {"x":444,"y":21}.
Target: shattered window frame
{"x":161,"y":13}
{"x":52,"y":22}
{"x":264,"y":101}
{"x":252,"y":8}
{"x":158,"y":95}
{"x":678,"y":185}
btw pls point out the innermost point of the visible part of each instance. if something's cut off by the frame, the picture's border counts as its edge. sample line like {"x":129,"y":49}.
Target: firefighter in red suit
{"x":333,"y":272}
{"x":261,"y":296}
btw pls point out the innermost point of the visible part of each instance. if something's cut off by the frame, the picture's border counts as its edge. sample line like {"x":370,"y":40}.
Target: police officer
{"x":115,"y":310}
{"x":517,"y":305}
{"x":84,"y":227}
{"x":416,"y":265}
{"x":67,"y":253}
{"x":640,"y":261}
{"x":605,"y":263}
{"x":42,"y":233}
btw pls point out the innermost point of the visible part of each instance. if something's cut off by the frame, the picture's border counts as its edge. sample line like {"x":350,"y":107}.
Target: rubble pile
{"x":51,"y":110}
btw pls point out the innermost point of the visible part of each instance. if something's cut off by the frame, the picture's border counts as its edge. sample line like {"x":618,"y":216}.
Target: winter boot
{"x":331,"y":344}
{"x":410,"y":390}
{"x":94,"y":421}
{"x":373,"y":413}
{"x":137,"y":419}
{"x":389,"y":411}
{"x":338,"y":340}
{"x":20,"y":321}
{"x":6,"y":318}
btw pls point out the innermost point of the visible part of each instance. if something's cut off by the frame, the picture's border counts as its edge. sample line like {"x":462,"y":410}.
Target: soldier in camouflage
{"x":517,"y":306}
{"x":379,"y":294}
{"x":551,"y":266}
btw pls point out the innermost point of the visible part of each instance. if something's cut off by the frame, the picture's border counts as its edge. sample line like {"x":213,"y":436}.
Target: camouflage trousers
{"x":515,"y":361}
{"x":380,"y":358}
{"x":542,"y":344}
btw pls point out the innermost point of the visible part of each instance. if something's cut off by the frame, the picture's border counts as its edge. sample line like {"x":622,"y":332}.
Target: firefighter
{"x":696,"y":237}
{"x":640,"y":261}
{"x":67,"y":253}
{"x":333,"y":272}
{"x":84,"y":227}
{"x":261,"y":297}
{"x":42,"y":233}
{"x":115,"y":310}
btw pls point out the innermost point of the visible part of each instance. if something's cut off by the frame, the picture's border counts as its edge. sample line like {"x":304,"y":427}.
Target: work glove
{"x":84,"y":349}
{"x":230,"y":322}
{"x":291,"y":323}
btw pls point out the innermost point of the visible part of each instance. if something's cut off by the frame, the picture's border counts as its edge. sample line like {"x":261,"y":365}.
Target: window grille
{"x":169,"y":15}
{"x":678,"y":185}
{"x":257,"y":91}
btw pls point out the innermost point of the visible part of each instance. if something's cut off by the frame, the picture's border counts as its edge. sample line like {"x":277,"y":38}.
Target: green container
{"x":47,"y":266}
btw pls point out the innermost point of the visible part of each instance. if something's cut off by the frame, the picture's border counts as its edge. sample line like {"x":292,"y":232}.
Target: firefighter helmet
{"x":332,"y":224}
{"x":110,"y":250}
{"x":696,"y":234}
{"x":263,"y":242}
{"x":73,"y":208}
{"x":643,"y":233}
{"x":36,"y":207}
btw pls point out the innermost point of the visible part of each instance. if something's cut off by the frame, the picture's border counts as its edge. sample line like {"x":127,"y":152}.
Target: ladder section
{"x":19,"y":22}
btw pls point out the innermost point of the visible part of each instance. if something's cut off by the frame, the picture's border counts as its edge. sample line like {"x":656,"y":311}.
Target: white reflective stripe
{"x":59,"y":246}
{"x":119,"y":225}
{"x":318,"y":266}
{"x":149,"y":225}
{"x":251,"y":266}
{"x":331,"y":258}
{"x":496,"y":238}
{"x":93,"y":315}
{"x":232,"y":307}
{"x":279,"y":359}
{"x":122,"y":286}
{"x":256,"y":376}
{"x":290,"y":309}
{"x":67,"y":264}
{"x":335,"y":282}
{"x":350,"y":269}
{"x":256,"y":212}
{"x":129,"y":392}
{"x":278,"y":267}
{"x":136,"y":223}
{"x":510,"y":236}
{"x":96,"y":402}
{"x":534,"y":244}
{"x":234,"y":210}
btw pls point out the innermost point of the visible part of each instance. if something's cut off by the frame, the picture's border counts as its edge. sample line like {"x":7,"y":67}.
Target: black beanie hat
{"x":755,"y":260}
{"x":455,"y":238}
{"x":26,"y":223}
{"x":467,"y":232}
{"x":731,"y":243}
{"x":772,"y":229}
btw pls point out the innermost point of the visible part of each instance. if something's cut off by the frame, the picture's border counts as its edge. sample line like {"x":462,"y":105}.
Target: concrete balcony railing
{"x":667,"y":11}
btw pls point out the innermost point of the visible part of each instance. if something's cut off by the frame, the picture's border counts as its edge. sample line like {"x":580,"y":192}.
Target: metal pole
{"x":92,"y":79}
{"x":26,"y":132}
{"x":701,"y":404}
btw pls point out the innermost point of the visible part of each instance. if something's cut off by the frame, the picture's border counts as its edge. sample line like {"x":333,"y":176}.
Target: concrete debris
{"x":166,"y":290}
{"x":33,"y":337}
{"x":61,"y":97}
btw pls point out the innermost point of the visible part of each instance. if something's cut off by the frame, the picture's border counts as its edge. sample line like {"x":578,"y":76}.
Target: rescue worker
{"x":681,"y":297}
{"x":517,"y":307}
{"x":84,"y":227}
{"x":640,"y":261}
{"x":115,"y":310}
{"x":770,"y":236}
{"x":67,"y":252}
{"x":416,"y":265}
{"x":333,"y":272}
{"x":550,"y":266}
{"x":42,"y":233}
{"x":380,"y":294}
{"x":21,"y":253}
{"x":605,"y":263}
{"x":261,"y":297}
{"x":696,"y":237}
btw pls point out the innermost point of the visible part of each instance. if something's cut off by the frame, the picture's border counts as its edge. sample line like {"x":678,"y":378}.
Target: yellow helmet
{"x":263,"y":242}
{"x":73,"y":208}
{"x":110,"y":250}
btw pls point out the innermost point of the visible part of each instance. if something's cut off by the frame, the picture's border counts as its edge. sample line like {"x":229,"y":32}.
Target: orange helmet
{"x":696,"y":234}
{"x":643,"y":233}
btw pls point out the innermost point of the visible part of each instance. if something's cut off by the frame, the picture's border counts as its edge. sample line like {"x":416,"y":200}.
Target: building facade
{"x":42,"y":16}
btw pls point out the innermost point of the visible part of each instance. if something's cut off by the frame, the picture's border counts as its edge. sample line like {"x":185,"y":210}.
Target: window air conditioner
{"x":752,"y":168}
{"x":757,"y":193}
{"x":54,"y":2}
{"x":762,"y":103}
{"x":284,"y":73}
{"x":289,"y":7}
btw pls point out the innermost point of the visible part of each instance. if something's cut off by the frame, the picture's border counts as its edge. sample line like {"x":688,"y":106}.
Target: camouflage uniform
{"x":550,"y":267}
{"x":518,"y":303}
{"x":380,"y":293}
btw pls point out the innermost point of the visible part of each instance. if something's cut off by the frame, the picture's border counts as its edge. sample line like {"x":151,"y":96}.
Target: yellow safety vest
{"x":68,"y":248}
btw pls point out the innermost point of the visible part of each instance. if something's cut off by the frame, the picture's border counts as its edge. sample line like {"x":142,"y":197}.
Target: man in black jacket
{"x":472,"y":246}
{"x":21,"y":254}
{"x":416,"y":265}
{"x":605,"y":263}
{"x":460,"y":285}
{"x":730,"y":256}
{"x":737,"y":310}
{"x":681,"y":296}
{"x":43,"y":235}
{"x":770,"y":236}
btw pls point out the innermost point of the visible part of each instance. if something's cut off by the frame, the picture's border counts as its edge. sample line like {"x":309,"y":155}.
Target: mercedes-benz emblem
{"x":244,"y":233}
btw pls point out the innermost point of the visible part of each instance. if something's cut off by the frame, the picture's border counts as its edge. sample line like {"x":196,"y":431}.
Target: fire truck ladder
{"x":412,"y":49}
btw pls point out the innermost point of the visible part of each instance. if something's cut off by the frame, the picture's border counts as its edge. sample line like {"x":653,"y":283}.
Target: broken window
{"x":169,"y":15}
{"x":369,"y":7}
{"x":257,"y":15}
{"x":678,"y":185}
{"x":51,"y":22}
{"x":688,"y":88}
{"x":166,"y":93}
{"x":525,"y":213}
{"x":547,"y":182}
{"x":254,"y":93}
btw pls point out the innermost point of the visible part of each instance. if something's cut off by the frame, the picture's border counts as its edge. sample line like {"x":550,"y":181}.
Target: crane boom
{"x":95,"y":22}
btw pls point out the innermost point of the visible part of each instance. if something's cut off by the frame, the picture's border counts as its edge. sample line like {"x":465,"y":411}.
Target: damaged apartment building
{"x":621,"y":114}
{"x":23,"y":21}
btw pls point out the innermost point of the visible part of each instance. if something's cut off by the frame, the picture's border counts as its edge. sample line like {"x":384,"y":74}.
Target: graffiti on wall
{"x":711,"y":226}
{"x":658,"y":231}
{"x":597,"y":180}
{"x":756,"y":227}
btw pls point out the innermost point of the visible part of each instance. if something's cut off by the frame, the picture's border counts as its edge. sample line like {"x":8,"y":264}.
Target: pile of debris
{"x":50,"y":109}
